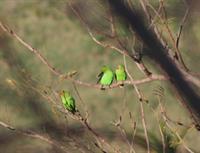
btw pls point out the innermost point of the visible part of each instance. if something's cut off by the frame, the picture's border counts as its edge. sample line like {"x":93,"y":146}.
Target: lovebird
{"x":120,"y":74}
{"x":68,"y":101}
{"x":106,"y":76}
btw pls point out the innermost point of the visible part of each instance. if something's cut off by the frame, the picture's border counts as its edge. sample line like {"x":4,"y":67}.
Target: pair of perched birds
{"x":106,"y":78}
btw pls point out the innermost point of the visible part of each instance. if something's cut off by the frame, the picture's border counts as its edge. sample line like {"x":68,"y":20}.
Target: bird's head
{"x":121,"y":67}
{"x":104,"y":68}
{"x":64,"y":93}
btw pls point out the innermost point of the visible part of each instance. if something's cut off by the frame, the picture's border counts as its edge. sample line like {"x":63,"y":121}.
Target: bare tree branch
{"x":158,"y":53}
{"x":35,"y":135}
{"x":68,"y":76}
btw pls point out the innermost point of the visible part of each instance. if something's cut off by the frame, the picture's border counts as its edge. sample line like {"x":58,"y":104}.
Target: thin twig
{"x":33,"y":135}
{"x":101,"y":141}
{"x":30,"y":48}
{"x":140,"y":65}
{"x":160,"y":128}
{"x":81,"y":99}
{"x":181,"y":27}
{"x":141,"y":100}
{"x":162,"y":110}
{"x":144,"y":126}
{"x":167,"y":119}
{"x":58,"y":73}
{"x":134,"y":127}
{"x":123,"y":133}
{"x":144,"y":6}
{"x":178,"y":55}
{"x":77,"y":116}
{"x":84,"y":121}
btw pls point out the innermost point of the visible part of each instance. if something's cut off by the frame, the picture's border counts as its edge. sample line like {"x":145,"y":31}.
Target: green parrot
{"x":120,"y":74}
{"x":106,"y":76}
{"x":68,"y":101}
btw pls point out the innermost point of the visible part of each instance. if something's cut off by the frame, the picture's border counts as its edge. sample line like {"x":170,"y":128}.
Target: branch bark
{"x":158,"y":53}
{"x":33,"y":134}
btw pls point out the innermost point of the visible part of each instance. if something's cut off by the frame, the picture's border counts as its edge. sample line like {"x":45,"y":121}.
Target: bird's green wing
{"x":107,"y":78}
{"x":71,"y":104}
{"x":63,"y":99}
{"x":125,"y":75}
{"x":112,"y":78}
{"x":99,"y":77}
{"x":115,"y":76}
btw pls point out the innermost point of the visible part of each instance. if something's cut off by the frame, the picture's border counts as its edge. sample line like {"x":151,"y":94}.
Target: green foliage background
{"x":52,"y":28}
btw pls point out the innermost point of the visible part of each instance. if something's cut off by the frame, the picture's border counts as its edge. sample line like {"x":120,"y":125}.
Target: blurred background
{"x":51,"y":27}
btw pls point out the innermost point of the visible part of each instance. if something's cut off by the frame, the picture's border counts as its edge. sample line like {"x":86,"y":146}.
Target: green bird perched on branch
{"x":68,"y":101}
{"x":106,"y":76}
{"x":120,"y":74}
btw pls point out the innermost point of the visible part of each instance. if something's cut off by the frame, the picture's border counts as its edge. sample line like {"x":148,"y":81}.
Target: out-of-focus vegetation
{"x":52,"y":28}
